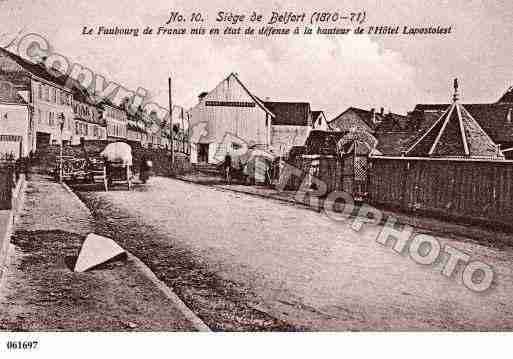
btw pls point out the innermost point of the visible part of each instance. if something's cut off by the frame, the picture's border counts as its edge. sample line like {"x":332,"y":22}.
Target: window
{"x":47,"y":93}
{"x":40,"y":118}
{"x":77,"y":132}
{"x":40,"y":92}
{"x":51,"y":121}
{"x":54,"y":94}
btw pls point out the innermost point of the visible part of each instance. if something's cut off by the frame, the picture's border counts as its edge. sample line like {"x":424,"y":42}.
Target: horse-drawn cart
{"x":113,"y":166}
{"x":118,"y":164}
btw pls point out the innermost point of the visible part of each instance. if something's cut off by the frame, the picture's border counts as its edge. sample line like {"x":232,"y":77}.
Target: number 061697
{"x":22,"y":345}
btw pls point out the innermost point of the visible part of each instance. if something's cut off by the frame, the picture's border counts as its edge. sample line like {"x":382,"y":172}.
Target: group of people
{"x":254,"y":171}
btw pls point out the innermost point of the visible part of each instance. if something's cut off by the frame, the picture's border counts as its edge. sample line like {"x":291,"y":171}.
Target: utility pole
{"x":171,"y":124}
{"x":183,"y":131}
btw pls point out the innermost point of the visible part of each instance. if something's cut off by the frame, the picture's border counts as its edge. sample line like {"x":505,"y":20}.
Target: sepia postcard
{"x":255,"y":166}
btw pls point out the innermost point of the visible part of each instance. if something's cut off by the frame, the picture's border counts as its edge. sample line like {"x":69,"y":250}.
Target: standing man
{"x":228,"y":168}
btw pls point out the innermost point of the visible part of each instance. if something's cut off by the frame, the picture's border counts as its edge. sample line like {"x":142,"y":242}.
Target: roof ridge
{"x":255,"y":98}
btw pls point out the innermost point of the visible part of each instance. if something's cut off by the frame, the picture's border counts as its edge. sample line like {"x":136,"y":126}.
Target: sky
{"x":330,"y":72}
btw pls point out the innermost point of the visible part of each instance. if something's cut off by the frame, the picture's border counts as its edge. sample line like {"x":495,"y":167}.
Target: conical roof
{"x":455,"y":134}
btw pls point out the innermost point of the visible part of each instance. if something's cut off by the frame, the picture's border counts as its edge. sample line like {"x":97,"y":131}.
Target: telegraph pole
{"x":171,"y":124}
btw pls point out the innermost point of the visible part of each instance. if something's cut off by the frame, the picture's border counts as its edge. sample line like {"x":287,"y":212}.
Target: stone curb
{"x":147,"y":272}
{"x":168,"y":293}
{"x":5,"y":240}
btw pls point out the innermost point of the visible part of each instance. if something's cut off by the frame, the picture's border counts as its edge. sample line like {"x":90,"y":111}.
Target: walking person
{"x":144,"y":169}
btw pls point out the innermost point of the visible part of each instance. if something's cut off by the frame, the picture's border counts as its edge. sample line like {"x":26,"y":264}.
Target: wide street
{"x":293,"y":265}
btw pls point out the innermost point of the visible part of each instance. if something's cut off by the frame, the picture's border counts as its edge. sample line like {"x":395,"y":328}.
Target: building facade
{"x":290,"y":126}
{"x":116,"y":120}
{"x":89,"y":123}
{"x":225,"y":119}
{"x":48,"y":96}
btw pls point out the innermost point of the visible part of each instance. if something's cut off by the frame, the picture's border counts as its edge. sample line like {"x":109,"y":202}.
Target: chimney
{"x":202,"y":95}
{"x":373,"y":115}
{"x":382,"y":111}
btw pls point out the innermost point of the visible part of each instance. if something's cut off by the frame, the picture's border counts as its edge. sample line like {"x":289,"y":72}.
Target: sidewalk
{"x":429,"y":225}
{"x":41,"y":293}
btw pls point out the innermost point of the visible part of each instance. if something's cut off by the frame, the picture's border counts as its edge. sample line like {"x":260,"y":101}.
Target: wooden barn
{"x":225,"y":119}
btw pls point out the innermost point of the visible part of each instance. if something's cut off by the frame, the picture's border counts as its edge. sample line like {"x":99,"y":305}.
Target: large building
{"x":230,"y":117}
{"x":230,"y":109}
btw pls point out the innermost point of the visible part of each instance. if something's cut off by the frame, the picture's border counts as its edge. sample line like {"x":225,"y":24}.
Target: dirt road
{"x":274,"y":266}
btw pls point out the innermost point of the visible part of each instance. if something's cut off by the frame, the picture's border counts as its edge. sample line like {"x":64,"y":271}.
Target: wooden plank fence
{"x":470,"y":190}
{"x":8,"y":177}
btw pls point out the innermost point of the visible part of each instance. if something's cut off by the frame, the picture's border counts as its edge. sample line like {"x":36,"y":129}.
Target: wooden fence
{"x":8,"y":178}
{"x":348,"y":173}
{"x":471,"y":190}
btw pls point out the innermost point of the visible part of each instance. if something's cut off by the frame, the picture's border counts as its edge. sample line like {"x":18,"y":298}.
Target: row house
{"x":116,"y":119}
{"x":88,"y":119}
{"x":56,"y":109}
{"x":48,"y":96}
{"x":136,"y":130}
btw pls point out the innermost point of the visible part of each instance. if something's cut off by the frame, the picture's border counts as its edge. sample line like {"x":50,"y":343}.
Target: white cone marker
{"x":96,"y":250}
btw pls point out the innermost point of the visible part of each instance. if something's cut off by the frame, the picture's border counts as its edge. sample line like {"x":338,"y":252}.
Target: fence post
{"x":6,"y":186}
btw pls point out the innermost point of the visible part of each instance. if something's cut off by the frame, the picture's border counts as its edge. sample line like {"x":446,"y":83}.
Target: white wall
{"x":14,"y":120}
{"x":247,"y":123}
{"x":284,"y":137}
{"x":43,"y":107}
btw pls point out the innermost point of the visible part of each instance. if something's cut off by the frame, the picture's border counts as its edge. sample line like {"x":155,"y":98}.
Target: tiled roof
{"x":323,"y":142}
{"x":393,"y":122}
{"x":365,"y":115}
{"x":494,"y":118}
{"x":12,"y":99}
{"x":37,"y":70}
{"x":455,"y":134}
{"x":395,"y":143}
{"x":290,"y":113}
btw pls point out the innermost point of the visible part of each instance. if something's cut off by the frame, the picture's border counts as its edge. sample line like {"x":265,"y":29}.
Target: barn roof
{"x":290,"y":113}
{"x":258,"y":101}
